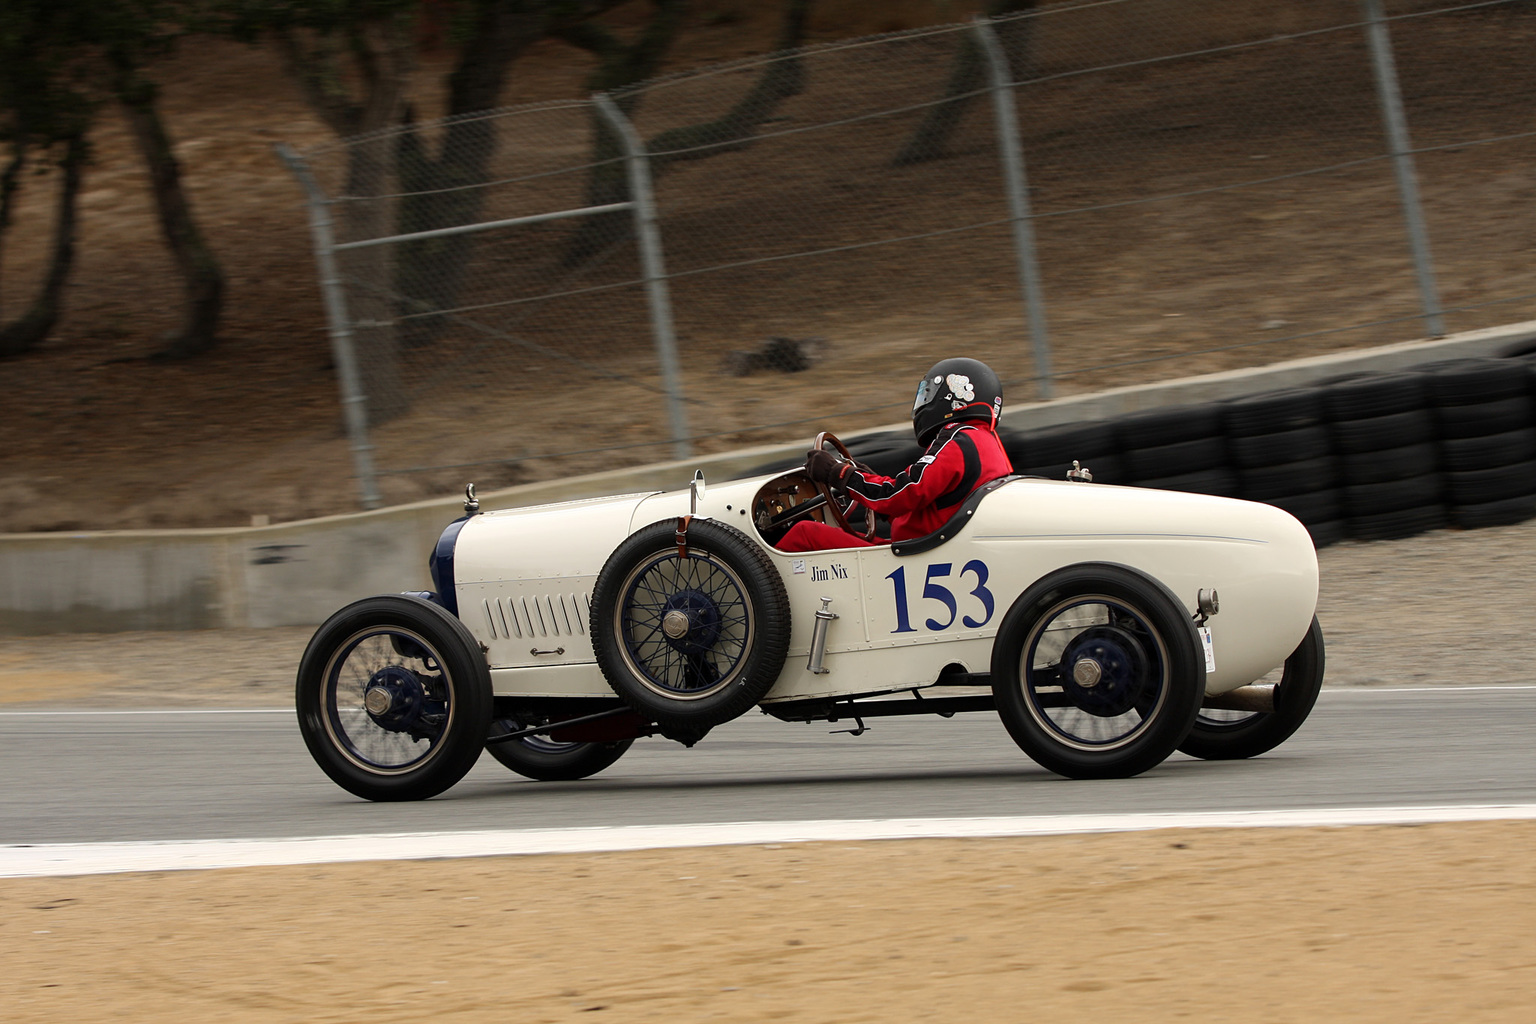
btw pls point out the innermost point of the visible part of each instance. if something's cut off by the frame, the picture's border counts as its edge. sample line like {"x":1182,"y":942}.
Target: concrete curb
{"x":294,"y":574}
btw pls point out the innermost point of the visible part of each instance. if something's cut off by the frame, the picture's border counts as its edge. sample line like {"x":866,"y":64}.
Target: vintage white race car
{"x":1086,"y":615}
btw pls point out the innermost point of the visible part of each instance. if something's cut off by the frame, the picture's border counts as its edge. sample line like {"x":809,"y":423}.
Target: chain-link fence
{"x":1189,"y":185}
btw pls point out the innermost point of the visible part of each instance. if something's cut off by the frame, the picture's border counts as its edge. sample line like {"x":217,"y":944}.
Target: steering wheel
{"x":841,"y":509}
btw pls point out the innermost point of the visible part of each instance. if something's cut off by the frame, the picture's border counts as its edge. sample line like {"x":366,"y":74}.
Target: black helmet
{"x":955,"y":389}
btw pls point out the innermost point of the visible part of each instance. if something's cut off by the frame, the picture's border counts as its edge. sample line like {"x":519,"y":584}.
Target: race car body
{"x":1106,"y":625}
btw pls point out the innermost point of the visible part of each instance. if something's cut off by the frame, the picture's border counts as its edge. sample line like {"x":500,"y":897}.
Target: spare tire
{"x":690,"y":637}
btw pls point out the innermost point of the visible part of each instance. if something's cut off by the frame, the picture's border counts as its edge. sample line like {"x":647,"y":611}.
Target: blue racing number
{"x":933,"y":590}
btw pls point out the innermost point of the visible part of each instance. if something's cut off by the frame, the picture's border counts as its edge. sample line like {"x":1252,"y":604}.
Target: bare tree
{"x":967,"y":78}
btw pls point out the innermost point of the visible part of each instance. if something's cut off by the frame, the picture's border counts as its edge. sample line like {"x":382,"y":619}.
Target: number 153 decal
{"x":935,"y":590}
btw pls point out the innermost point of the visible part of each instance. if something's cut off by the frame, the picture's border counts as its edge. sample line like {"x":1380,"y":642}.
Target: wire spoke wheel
{"x":393,"y":698}
{"x":685,"y":624}
{"x":690,"y":636}
{"x":1096,"y":672}
{"x":550,"y":760}
{"x":1220,"y":735}
{"x":387,"y":703}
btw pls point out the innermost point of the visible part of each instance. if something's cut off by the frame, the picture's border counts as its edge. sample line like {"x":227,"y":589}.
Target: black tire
{"x":394,"y":698}
{"x":1478,"y":486}
{"x":1289,"y":478}
{"x":549,"y":760}
{"x":1390,"y":463}
{"x":1364,"y":395}
{"x":1393,"y":495}
{"x":1273,"y":412}
{"x":1472,"y":381}
{"x":728,"y":600}
{"x":1222,"y":482}
{"x":1176,"y":459}
{"x":1495,"y":513}
{"x":1218,"y":737}
{"x":1314,"y":507}
{"x":1107,"y":469}
{"x":1354,"y":437}
{"x":1060,"y":444}
{"x":1467,"y":453}
{"x":887,"y":453}
{"x":1156,"y":428}
{"x":1397,"y":525}
{"x":1330,"y":532}
{"x":1505,"y":414}
{"x":1285,"y":446}
{"x":1149,"y":681}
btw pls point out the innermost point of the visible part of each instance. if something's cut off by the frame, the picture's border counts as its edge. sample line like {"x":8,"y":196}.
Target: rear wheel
{"x":1230,"y":735}
{"x":547,"y":760}
{"x":1096,"y":672}
{"x":393,"y":698}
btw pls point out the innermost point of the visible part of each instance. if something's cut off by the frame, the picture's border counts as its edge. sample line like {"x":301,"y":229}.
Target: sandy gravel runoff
{"x":1390,"y":924}
{"x":1430,"y":923}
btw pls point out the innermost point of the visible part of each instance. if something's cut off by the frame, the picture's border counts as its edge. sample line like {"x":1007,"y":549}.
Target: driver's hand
{"x":825,"y":468}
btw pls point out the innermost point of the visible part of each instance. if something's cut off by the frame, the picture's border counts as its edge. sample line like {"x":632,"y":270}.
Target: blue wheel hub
{"x":396,"y":700}
{"x":1105,"y":671}
{"x":690,"y":620}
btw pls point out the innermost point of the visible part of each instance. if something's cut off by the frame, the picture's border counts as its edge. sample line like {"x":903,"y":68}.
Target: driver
{"x":955,"y":419}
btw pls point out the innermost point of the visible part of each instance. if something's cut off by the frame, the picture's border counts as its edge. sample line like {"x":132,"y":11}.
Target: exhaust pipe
{"x":1253,"y":697}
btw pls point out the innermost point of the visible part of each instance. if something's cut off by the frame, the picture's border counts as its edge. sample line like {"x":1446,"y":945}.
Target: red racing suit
{"x":964,"y":455}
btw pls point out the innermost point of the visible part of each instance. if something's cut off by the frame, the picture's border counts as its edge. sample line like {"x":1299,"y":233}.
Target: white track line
{"x":105,"y":858}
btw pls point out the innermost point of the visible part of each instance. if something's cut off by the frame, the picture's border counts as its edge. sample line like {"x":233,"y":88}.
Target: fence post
{"x":1402,"y":162}
{"x":638,"y":166}
{"x":354,"y":403}
{"x":1012,"y":151}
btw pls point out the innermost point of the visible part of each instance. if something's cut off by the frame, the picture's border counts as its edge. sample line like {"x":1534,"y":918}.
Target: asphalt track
{"x":101,"y":777}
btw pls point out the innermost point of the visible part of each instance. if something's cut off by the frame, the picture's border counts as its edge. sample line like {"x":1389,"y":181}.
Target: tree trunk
{"x":8,"y":186}
{"x":430,"y":273}
{"x":609,"y":182}
{"x":381,"y":51}
{"x":967,"y":77}
{"x":200,"y":273}
{"x":33,"y":327}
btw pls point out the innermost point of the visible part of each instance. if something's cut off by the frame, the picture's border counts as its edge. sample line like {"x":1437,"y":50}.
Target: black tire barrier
{"x":1496,"y":483}
{"x":1289,"y":478}
{"x":1460,"y":454}
{"x":1355,"y":455}
{"x":1331,"y":532}
{"x":1390,"y":463}
{"x":1362,"y":395}
{"x":1155,"y":428}
{"x":1220,"y":482}
{"x":1504,"y":512}
{"x":1475,"y":381}
{"x":1496,"y":417}
{"x":1392,"y":495}
{"x":1397,"y":525}
{"x":1178,"y":459}
{"x":1050,"y":445}
{"x":1312,"y":507}
{"x":1374,"y":433}
{"x":1273,"y":412}
{"x":1282,"y":446}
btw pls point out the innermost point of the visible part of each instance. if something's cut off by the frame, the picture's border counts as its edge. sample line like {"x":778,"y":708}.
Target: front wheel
{"x":394,"y":698}
{"x":1228,"y":736}
{"x":1096,"y":672}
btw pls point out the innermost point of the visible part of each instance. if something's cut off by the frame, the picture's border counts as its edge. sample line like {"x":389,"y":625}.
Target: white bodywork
{"x":524,"y":579}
